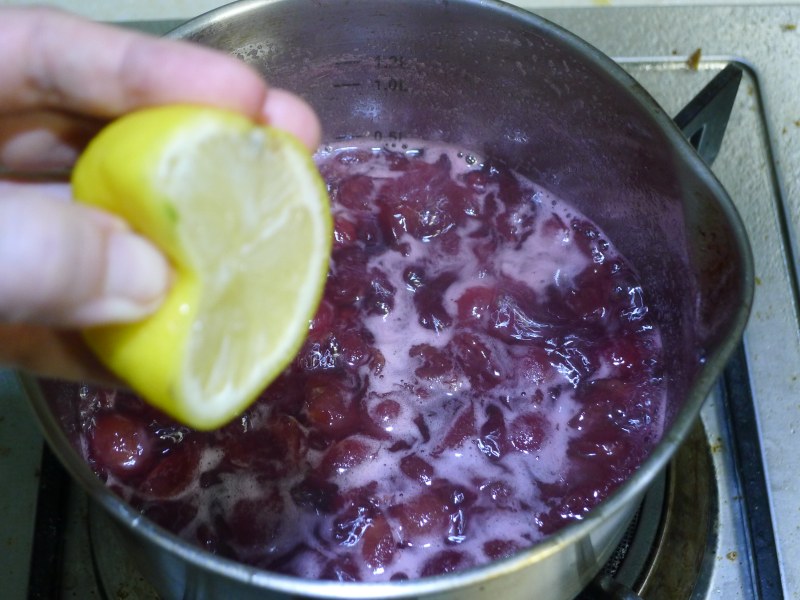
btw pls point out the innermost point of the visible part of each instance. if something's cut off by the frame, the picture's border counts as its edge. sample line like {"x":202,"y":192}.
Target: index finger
{"x":58,"y":61}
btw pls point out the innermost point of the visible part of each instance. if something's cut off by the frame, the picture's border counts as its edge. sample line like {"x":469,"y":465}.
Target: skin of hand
{"x":64,"y":265}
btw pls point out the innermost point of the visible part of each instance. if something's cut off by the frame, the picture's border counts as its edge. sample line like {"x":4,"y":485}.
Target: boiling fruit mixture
{"x":482,"y":371}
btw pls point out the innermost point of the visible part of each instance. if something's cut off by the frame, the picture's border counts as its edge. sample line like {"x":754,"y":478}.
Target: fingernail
{"x":137,"y":279}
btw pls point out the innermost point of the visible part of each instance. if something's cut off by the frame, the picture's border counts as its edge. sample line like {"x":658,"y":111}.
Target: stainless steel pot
{"x":507,"y":84}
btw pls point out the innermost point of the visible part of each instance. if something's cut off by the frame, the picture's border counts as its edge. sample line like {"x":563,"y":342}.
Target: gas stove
{"x":722,"y":521}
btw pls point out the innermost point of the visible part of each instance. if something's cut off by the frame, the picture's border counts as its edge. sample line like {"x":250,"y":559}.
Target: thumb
{"x":69,"y":265}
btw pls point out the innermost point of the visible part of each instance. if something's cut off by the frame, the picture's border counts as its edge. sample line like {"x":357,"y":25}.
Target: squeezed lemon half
{"x":242,"y":213}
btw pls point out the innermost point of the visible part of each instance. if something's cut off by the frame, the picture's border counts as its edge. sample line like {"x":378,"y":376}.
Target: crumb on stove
{"x":694,"y":59}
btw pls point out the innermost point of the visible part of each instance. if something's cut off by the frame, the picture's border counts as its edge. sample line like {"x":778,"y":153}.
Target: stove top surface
{"x":759,"y":165}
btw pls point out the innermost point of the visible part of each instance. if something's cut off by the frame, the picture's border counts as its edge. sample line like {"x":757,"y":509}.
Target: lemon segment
{"x":243,"y":215}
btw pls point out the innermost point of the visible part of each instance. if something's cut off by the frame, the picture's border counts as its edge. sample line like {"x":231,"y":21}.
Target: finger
{"x":52,"y":190}
{"x":52,"y":59}
{"x":69,"y":265}
{"x":282,"y":109}
{"x":51,"y":353}
{"x":43,"y":140}
{"x":55,"y":60}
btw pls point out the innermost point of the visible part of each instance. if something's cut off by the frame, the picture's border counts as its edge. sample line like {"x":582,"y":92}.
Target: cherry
{"x":315,"y":494}
{"x":173,"y":473}
{"x":476,"y":180}
{"x":345,"y":232}
{"x":516,"y":316}
{"x":423,"y":515}
{"x":395,"y":221}
{"x":574,"y":359}
{"x":121,"y":445}
{"x":422,"y":426}
{"x":528,"y":432}
{"x":428,"y":301}
{"x":555,"y":227}
{"x":636,"y":309}
{"x":346,"y":285}
{"x":414,"y":276}
{"x":345,"y":288}
{"x":534,"y":365}
{"x":354,"y":192}
{"x":463,"y":428}
{"x":330,"y":407}
{"x":383,"y":414}
{"x":354,"y":348}
{"x":492,"y":439}
{"x":591,"y":296}
{"x":477,"y":360}
{"x":318,"y":354}
{"x":370,"y":234}
{"x":508,"y":184}
{"x":475,"y":303}
{"x":445,"y":561}
{"x":515,"y":225}
{"x":498,"y":548}
{"x":345,"y":455}
{"x":342,"y":568}
{"x":378,"y":545}
{"x":255,"y":522}
{"x":170,"y":514}
{"x":423,"y":202}
{"x":210,"y":539}
{"x":292,"y":437}
{"x":379,"y":297}
{"x":350,"y":525}
{"x":417,"y":468}
{"x":267,"y":453}
{"x":629,"y":356}
{"x":436,"y":365}
{"x":500,"y":493}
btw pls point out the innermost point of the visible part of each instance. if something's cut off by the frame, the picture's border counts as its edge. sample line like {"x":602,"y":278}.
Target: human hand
{"x":64,"y":265}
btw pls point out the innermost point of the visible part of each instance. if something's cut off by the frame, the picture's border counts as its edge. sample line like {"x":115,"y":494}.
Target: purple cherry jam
{"x":481,"y":372}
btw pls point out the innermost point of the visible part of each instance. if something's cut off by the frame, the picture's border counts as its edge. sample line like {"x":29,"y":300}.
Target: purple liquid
{"x":481,"y":372}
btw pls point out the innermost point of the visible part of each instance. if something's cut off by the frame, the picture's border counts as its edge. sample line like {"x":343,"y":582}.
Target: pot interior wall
{"x":494,"y":81}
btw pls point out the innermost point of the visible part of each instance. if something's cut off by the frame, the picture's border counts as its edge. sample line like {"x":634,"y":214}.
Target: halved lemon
{"x":242,"y":212}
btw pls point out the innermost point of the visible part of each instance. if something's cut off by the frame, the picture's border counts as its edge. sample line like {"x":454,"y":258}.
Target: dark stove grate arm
{"x":703,"y":121}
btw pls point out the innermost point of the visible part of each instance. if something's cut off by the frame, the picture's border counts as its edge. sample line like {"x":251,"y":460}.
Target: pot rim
{"x":620,"y":500}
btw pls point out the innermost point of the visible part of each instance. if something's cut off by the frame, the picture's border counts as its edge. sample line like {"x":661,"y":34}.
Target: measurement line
{"x":346,"y":85}
{"x":349,"y":136}
{"x":344,"y":63}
